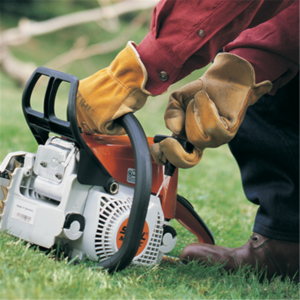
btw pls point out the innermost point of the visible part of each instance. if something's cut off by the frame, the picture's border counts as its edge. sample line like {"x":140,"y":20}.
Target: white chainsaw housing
{"x":42,"y":192}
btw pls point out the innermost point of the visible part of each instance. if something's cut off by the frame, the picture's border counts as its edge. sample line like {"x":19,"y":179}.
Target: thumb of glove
{"x":171,"y":150}
{"x":176,"y":108}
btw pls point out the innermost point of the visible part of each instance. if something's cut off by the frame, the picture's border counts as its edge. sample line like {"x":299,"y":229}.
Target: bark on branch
{"x":28,"y":28}
{"x":21,"y":71}
{"x":80,"y":51}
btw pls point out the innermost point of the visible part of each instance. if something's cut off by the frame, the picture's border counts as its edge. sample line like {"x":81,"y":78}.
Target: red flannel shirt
{"x":186,"y":35}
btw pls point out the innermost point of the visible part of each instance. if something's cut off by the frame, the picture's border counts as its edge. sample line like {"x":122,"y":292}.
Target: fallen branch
{"x":20,"y":71}
{"x":80,"y":51}
{"x":108,"y":24}
{"x":28,"y":28}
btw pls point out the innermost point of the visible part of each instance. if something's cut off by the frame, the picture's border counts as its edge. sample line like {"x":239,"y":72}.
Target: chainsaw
{"x":98,"y":197}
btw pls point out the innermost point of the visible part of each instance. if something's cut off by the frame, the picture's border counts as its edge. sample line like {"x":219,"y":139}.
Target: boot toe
{"x":189,"y":253}
{"x":273,"y":257}
{"x":201,"y":252}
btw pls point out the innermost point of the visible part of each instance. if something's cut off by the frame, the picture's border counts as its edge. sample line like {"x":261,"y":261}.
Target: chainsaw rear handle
{"x":41,"y":124}
{"x":186,"y":145}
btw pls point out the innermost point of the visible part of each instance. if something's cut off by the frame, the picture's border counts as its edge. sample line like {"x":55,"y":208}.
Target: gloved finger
{"x":83,"y":124}
{"x":157,"y":154}
{"x":100,"y":125}
{"x":171,"y":150}
{"x":178,"y":102}
{"x":204,"y":126}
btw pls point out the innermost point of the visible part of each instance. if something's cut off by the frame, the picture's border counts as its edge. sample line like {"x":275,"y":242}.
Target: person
{"x":248,"y":97}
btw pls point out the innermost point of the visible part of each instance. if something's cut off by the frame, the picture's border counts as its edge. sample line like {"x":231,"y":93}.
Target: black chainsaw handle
{"x":142,"y":193}
{"x":42,"y":123}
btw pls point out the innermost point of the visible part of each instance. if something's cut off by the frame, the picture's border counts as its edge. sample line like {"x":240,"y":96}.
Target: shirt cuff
{"x":162,"y":67}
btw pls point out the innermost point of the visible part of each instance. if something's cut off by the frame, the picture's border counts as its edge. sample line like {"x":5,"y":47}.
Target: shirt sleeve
{"x":272,"y":47}
{"x":186,"y":35}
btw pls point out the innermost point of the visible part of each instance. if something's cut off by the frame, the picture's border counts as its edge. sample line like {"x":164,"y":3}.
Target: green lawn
{"x":213,"y":187}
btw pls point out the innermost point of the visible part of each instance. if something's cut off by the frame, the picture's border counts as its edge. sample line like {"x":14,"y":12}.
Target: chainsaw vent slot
{"x":111,"y":211}
{"x":112,"y":225}
{"x":152,"y":250}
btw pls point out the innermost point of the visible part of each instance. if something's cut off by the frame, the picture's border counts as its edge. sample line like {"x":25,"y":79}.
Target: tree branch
{"x":82,"y":52}
{"x":21,"y":71}
{"x":27,"y":28}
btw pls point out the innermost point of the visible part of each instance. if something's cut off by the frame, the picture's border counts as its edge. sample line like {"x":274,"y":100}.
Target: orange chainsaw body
{"x":116,"y":155}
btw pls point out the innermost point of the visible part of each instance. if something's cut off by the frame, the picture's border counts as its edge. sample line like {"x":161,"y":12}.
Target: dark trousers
{"x":266,"y":149}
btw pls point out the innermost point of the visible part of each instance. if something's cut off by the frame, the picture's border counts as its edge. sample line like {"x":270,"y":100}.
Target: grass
{"x":29,"y":274}
{"x":213,"y":187}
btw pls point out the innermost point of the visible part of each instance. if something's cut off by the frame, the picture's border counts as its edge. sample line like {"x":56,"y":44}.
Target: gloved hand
{"x":209,"y":111}
{"x":171,"y":150}
{"x":111,"y":93}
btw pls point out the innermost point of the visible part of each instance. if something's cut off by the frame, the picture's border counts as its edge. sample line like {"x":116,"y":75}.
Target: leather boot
{"x":279,"y":258}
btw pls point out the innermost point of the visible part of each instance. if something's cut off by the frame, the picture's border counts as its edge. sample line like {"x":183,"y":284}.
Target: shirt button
{"x":163,"y":76}
{"x":201,"y":32}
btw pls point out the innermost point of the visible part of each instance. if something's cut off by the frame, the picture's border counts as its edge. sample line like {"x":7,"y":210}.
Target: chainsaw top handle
{"x":90,"y":169}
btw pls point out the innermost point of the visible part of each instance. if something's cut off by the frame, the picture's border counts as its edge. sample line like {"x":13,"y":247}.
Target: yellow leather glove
{"x":111,"y":93}
{"x":209,"y":111}
{"x":171,"y":150}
